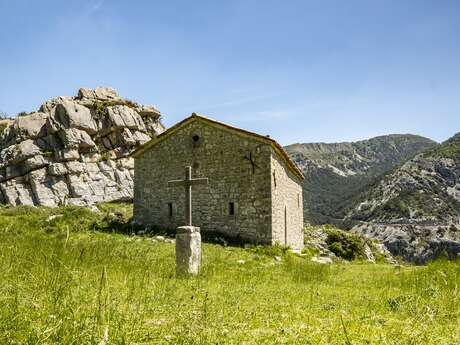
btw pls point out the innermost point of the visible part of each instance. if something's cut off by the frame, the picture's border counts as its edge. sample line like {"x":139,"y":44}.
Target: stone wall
{"x":74,"y":150}
{"x":238,"y":169}
{"x":287,"y":209}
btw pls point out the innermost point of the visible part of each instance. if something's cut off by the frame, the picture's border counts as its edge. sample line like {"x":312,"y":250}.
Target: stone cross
{"x":188,"y":182}
{"x":188,"y":238}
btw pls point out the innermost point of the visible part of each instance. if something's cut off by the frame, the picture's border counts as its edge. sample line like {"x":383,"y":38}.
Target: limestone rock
{"x":100,"y":93}
{"x":75,"y":138}
{"x":322,"y":260}
{"x":57,"y":169}
{"x":123,"y":116}
{"x":30,"y":126}
{"x":15,"y":154}
{"x":188,"y":251}
{"x":368,"y":253}
{"x":17,"y":192}
{"x":49,"y":105}
{"x":70,"y":114}
{"x":148,"y":111}
{"x":74,"y":150}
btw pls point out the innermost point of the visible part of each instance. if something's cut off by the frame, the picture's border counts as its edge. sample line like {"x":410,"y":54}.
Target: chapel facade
{"x":254,"y":190}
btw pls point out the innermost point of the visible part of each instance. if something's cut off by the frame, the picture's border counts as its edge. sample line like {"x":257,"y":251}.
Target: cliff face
{"x":415,"y":209}
{"x":336,"y":173}
{"x":74,"y":150}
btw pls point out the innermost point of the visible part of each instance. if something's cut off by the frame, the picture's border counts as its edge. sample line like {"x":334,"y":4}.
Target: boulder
{"x":123,"y":116}
{"x":148,"y":111}
{"x":30,"y":126}
{"x":49,"y":105}
{"x":35,"y":162}
{"x":322,"y":260}
{"x":99,"y":93}
{"x":17,"y":153}
{"x":41,"y":183}
{"x":70,"y":114}
{"x":17,"y":192}
{"x":75,"y":138}
{"x":57,"y":169}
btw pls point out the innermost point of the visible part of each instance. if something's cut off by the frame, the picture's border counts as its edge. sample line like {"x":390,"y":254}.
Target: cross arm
{"x":192,"y":182}
{"x":197,"y":181}
{"x":177,"y":183}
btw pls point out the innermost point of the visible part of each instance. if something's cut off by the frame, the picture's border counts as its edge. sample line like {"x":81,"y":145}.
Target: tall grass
{"x":64,"y":283}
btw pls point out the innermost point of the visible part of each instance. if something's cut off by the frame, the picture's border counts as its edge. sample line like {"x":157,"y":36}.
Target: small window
{"x":170,"y":209}
{"x":231,"y":209}
{"x":196,"y":140}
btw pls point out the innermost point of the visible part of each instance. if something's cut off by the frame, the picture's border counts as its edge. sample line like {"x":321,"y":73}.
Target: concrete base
{"x":188,"y":251}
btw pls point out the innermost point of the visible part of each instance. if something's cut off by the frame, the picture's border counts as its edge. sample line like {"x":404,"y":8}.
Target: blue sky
{"x":301,"y":71}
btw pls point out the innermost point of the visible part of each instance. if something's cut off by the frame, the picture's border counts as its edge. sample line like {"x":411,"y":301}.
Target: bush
{"x":345,"y":245}
{"x":2,"y":127}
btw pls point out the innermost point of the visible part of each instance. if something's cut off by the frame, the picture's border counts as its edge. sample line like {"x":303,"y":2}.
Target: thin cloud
{"x":97,"y":5}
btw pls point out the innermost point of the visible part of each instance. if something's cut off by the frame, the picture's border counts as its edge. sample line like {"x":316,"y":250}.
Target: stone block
{"x":188,"y":251}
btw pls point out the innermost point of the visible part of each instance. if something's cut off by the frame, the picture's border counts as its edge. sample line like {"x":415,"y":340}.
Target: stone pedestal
{"x":188,"y":251}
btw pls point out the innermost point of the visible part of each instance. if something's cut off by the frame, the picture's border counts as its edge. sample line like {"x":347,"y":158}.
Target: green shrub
{"x":2,"y":127}
{"x":344,"y":244}
{"x":276,"y":250}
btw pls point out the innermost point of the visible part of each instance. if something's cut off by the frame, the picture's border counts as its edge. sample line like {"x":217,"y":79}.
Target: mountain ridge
{"x":415,"y":208}
{"x":336,"y":172}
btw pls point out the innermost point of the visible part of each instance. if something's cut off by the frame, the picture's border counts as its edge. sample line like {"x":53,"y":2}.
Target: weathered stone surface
{"x":41,"y":187}
{"x":245,"y":175}
{"x":148,"y":111}
{"x":188,"y":251}
{"x":34,"y":162}
{"x":70,"y":114}
{"x":57,"y":169}
{"x":49,"y":105}
{"x":418,"y":243}
{"x":368,"y":253}
{"x":67,"y":154}
{"x":58,"y":155}
{"x":17,"y":153}
{"x":75,"y":138}
{"x":24,"y":127}
{"x":123,"y":116}
{"x":322,"y":260}
{"x":17,"y":192}
{"x":99,"y":93}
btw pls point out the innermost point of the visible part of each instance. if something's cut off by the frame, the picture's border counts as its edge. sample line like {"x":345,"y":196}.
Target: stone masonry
{"x":254,"y":190}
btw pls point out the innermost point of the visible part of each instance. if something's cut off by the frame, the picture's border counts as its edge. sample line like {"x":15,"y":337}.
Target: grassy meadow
{"x":68,"y":279}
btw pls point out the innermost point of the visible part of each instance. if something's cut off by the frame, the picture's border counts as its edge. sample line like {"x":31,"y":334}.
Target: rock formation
{"x":336,"y":173}
{"x":415,"y":209}
{"x":74,"y":150}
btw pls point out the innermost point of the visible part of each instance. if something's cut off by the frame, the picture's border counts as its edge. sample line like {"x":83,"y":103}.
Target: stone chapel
{"x":254,"y":190}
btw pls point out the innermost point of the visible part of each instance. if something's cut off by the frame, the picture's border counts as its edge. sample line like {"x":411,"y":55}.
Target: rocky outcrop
{"x":74,"y":150}
{"x":415,"y":209}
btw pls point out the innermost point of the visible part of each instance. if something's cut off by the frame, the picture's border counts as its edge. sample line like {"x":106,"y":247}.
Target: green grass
{"x":64,"y":283}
